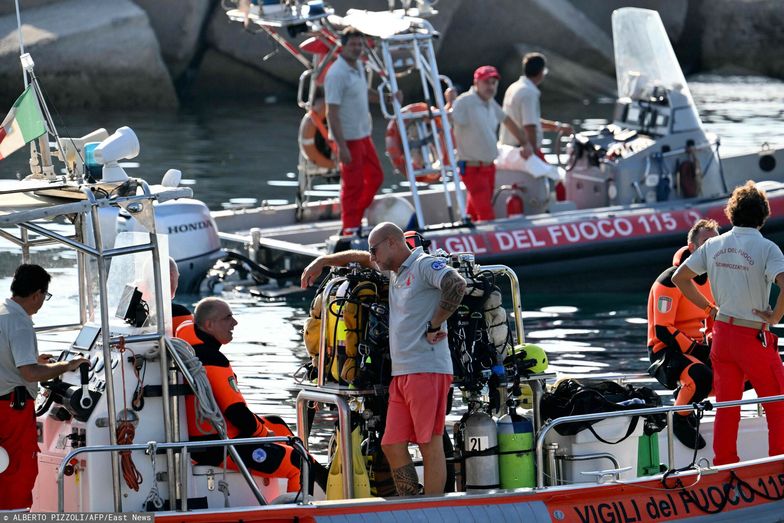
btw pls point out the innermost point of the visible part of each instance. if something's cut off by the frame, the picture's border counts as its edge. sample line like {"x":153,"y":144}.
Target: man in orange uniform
{"x":212,"y":328}
{"x":677,"y":345}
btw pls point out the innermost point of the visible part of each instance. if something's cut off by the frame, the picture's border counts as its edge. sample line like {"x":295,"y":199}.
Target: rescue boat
{"x":632,"y":189}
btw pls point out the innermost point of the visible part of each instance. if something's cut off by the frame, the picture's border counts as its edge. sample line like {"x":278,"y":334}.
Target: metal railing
{"x":185,"y":446}
{"x":668,"y":410}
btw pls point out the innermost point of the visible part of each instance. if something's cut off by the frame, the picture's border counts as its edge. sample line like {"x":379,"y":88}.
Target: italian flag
{"x":23,"y":124}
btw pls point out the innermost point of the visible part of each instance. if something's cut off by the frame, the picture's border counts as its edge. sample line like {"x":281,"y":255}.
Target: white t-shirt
{"x":347,"y":87}
{"x":521,"y":103}
{"x":18,"y":347}
{"x":476,"y":122}
{"x":741,"y":266}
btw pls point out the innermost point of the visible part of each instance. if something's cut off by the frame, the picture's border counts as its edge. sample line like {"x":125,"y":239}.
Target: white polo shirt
{"x":414,"y":294}
{"x":741,"y":266}
{"x":521,"y":103}
{"x":476,"y":124}
{"x":347,"y":87}
{"x":18,"y":347}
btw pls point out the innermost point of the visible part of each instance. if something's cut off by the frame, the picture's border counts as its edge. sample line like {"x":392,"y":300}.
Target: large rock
{"x":178,"y":25}
{"x":88,"y":53}
{"x":743,"y":37}
{"x":566,"y":79}
{"x":487,"y":31}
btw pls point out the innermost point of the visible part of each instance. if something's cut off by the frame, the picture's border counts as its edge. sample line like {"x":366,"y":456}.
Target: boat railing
{"x":667,"y":410}
{"x":151,"y":448}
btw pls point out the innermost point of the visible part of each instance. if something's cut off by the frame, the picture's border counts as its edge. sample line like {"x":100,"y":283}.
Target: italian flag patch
{"x":664,"y":305}
{"x":23,"y":124}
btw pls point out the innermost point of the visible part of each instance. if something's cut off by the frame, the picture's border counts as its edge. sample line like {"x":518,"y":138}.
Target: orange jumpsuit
{"x":180,"y":314}
{"x":675,"y":330}
{"x":267,"y":459}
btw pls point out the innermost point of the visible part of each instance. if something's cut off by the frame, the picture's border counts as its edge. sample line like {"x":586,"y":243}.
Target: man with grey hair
{"x":213,"y":327}
{"x":179,"y":313}
{"x":423,"y":294}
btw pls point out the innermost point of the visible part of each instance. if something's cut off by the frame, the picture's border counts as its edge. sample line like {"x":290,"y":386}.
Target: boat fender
{"x":394,"y":143}
{"x":515,"y":449}
{"x":480,"y":450}
{"x":4,"y":460}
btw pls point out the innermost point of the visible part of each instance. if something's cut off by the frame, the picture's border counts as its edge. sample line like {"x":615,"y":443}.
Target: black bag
{"x":572,"y":397}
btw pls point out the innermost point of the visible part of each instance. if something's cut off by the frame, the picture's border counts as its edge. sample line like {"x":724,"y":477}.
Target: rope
{"x":153,"y":497}
{"x":125,"y":433}
{"x":207,"y":408}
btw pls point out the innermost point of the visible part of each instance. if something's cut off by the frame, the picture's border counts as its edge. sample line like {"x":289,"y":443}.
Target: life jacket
{"x":179,"y":314}
{"x":673,"y":320}
{"x":223,"y":382}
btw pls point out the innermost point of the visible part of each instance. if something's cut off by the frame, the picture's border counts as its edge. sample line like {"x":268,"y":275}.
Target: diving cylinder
{"x":515,"y":448}
{"x":336,"y":332}
{"x":480,"y":442}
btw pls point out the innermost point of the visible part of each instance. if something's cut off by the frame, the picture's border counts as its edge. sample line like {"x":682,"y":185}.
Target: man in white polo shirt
{"x":476,"y":117}
{"x":348,"y":116}
{"x":741,"y":266}
{"x":21,"y":368}
{"x":423,"y":294}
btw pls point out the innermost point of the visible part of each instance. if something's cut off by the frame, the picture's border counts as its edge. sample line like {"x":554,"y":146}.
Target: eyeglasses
{"x":48,"y":296}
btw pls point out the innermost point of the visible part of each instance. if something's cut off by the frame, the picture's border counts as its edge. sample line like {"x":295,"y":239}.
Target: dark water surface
{"x":236,"y":150}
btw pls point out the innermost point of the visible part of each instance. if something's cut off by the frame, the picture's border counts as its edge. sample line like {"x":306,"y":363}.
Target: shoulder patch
{"x":233,"y":383}
{"x":664,"y":304}
{"x":259,"y":455}
{"x":438,"y":264}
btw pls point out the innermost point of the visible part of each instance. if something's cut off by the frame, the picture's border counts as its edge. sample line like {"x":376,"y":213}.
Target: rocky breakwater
{"x":89,"y":54}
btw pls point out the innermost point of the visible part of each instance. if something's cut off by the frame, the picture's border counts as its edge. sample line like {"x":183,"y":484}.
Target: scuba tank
{"x":515,"y":448}
{"x":480,"y":450}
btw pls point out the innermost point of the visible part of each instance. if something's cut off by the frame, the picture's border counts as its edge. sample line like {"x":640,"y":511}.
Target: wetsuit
{"x":676,"y":336}
{"x":266,"y":459}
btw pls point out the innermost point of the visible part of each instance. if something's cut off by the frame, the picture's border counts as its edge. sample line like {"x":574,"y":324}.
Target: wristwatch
{"x":431,"y":329}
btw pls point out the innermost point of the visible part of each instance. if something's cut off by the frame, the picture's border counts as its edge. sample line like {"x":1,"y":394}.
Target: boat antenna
{"x":28,"y":66}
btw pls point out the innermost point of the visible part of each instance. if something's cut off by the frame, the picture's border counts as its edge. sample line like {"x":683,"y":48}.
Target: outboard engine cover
{"x":193,"y":237}
{"x":480,"y":440}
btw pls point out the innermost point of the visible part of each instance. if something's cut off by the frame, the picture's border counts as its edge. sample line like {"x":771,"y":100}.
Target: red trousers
{"x":480,"y":184}
{"x":359,"y":181}
{"x":18,"y":436}
{"x":738,"y":354}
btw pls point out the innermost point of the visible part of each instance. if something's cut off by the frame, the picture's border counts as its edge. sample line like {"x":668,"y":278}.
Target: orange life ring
{"x":314,"y":139}
{"x":394,"y":145}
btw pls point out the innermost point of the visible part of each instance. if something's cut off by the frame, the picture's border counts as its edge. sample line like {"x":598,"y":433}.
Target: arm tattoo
{"x":452,"y":290}
{"x":406,"y":480}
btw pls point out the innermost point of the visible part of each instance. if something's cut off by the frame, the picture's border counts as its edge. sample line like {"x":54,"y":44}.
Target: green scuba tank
{"x":515,"y":448}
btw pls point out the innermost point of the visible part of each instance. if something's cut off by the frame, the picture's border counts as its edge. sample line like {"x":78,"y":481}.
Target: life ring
{"x":314,"y":142}
{"x":394,"y":145}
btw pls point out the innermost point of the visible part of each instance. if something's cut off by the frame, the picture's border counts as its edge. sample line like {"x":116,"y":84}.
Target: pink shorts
{"x":417,"y":408}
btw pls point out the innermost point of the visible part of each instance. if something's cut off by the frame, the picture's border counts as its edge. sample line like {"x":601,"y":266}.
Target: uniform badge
{"x":438,"y":265}
{"x":259,"y":455}
{"x":233,"y":384}
{"x":664,"y":305}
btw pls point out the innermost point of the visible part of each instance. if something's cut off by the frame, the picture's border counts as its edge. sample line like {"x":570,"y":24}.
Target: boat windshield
{"x":644,"y":58}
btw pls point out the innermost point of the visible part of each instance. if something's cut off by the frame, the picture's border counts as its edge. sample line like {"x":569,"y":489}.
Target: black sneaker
{"x":685,"y":429}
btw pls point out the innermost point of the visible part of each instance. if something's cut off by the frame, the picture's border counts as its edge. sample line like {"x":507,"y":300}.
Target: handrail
{"x":705,"y":405}
{"x":295,"y":442}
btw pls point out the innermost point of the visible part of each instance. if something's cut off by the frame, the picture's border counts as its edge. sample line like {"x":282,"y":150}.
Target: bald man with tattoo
{"x":423,"y":293}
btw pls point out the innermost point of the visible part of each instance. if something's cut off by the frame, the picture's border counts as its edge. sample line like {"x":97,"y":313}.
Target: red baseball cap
{"x":485,"y":72}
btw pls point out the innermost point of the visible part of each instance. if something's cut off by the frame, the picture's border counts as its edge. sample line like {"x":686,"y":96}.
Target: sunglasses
{"x":48,"y":296}
{"x":372,"y":250}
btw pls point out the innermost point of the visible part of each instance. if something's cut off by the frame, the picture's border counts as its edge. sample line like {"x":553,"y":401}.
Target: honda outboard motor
{"x":193,"y":237}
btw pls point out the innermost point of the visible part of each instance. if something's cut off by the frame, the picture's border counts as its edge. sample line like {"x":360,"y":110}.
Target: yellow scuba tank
{"x":335,"y":479}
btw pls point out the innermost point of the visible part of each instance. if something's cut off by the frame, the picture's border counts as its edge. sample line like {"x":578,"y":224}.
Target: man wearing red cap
{"x":476,"y":116}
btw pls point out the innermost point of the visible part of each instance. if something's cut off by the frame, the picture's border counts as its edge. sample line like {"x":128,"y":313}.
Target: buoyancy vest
{"x":222,"y":380}
{"x":673,"y":320}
